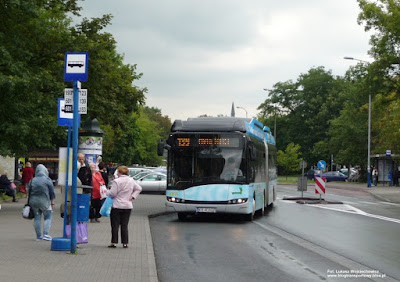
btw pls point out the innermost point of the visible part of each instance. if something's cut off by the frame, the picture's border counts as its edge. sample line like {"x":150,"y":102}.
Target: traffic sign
{"x":82,"y":101}
{"x":64,"y":118}
{"x":76,"y":66}
{"x":320,"y":185}
{"x":69,"y":100}
{"x":303,"y":164}
{"x":321,"y":164}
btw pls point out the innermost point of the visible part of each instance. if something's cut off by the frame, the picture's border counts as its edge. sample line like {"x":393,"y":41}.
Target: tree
{"x":382,"y":17}
{"x":306,"y":107}
{"x":289,"y":160}
{"x":31,"y":65}
{"x":34,"y":37}
{"x":162,"y":123}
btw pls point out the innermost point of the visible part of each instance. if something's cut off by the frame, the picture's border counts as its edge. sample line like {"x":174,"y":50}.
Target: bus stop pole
{"x":66,"y":184}
{"x":74,"y":197}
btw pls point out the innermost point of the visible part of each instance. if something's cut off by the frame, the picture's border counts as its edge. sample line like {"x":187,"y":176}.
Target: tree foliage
{"x":289,"y":160}
{"x":34,"y":37}
{"x":304,"y":108}
{"x":328,"y":115}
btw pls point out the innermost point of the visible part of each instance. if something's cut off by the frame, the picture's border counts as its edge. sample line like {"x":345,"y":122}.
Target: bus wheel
{"x":250,"y":216}
{"x":182,"y":216}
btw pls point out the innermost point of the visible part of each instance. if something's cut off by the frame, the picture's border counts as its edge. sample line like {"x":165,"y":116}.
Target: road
{"x":292,"y":242}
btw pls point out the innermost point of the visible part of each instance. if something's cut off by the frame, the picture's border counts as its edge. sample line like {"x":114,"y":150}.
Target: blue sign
{"x":321,"y":164}
{"x":64,"y":118}
{"x":76,"y":66}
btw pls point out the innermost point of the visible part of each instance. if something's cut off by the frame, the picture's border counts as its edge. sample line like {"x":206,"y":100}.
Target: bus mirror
{"x":160,"y":148}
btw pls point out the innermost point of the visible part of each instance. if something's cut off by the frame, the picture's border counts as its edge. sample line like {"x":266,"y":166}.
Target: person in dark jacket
{"x":104,"y":174}
{"x":41,"y":199}
{"x":84,"y":173}
{"x":5,"y":184}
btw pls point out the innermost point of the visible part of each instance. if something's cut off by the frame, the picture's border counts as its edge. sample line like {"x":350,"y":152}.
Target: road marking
{"x":374,"y":203}
{"x":350,"y":209}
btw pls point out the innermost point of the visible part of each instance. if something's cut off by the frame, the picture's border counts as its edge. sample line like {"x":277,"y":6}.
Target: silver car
{"x":153,"y":181}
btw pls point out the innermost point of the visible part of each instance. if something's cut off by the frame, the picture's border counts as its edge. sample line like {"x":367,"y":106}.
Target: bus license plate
{"x":207,"y":210}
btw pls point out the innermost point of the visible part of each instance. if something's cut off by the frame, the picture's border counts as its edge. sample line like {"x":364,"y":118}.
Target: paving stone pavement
{"x":22,"y":258}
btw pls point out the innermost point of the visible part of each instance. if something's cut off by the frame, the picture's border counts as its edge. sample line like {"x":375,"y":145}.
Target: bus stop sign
{"x":76,"y":67}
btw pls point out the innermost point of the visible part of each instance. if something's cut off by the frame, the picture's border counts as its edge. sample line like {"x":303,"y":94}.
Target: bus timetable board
{"x":196,"y":141}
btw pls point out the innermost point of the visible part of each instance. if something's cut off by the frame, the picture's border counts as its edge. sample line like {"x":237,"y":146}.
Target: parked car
{"x":139,"y":175}
{"x":312,"y":173}
{"x":345,"y":171}
{"x":334,"y":176}
{"x":132,"y":171}
{"x":153,"y":181}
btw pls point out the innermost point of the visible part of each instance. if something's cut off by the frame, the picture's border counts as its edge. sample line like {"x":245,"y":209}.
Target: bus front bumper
{"x":208,"y":208}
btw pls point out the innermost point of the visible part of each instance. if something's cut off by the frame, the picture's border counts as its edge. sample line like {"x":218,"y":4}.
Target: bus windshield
{"x":200,"y":165}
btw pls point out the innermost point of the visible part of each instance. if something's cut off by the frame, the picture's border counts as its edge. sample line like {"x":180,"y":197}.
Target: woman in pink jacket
{"x":123,"y":190}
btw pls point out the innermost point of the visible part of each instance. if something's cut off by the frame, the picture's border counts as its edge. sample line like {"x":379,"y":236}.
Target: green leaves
{"x":34,"y":37}
{"x":289,"y":160}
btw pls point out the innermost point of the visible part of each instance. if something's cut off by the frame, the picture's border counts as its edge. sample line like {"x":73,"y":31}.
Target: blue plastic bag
{"x":106,"y":207}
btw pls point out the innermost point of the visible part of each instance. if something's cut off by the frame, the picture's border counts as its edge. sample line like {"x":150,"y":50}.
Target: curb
{"x":311,"y":201}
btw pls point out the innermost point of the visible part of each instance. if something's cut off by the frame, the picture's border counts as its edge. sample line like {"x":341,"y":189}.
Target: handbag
{"x":81,"y":233}
{"x":27,"y":212}
{"x":103,"y":191}
{"x":106,"y":207}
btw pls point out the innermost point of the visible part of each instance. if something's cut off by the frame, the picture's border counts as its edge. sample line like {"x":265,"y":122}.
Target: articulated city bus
{"x":220,"y":165}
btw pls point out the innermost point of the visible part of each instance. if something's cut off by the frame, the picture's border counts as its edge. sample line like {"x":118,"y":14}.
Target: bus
{"x":220,"y":165}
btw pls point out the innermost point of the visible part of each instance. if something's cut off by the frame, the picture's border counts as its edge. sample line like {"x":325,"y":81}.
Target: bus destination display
{"x":204,"y":141}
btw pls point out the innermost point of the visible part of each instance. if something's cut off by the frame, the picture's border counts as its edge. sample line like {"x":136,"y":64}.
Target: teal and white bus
{"x":220,"y":165}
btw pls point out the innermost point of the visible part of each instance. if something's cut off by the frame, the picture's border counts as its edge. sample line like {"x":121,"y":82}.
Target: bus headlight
{"x":238,"y":201}
{"x":175,"y":200}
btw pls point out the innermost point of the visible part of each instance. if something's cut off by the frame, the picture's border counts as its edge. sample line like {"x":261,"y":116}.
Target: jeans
{"x":37,"y":222}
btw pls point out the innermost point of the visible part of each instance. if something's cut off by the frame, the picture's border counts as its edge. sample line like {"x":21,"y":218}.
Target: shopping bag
{"x":81,"y":233}
{"x":103,"y":191}
{"x":106,"y":207}
{"x":27,"y":212}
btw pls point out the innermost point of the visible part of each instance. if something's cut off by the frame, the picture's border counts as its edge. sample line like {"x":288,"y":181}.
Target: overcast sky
{"x":197,"y":57}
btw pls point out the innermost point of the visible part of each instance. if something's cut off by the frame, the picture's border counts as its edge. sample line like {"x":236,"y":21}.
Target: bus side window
{"x":252,"y":152}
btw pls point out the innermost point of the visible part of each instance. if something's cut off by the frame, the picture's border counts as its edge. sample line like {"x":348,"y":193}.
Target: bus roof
{"x":224,"y":124}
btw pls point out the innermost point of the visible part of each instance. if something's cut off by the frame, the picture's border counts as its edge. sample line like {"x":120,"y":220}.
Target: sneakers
{"x":47,"y":237}
{"x":39,"y":239}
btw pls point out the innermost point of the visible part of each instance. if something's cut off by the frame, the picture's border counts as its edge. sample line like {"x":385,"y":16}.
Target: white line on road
{"x":350,"y":209}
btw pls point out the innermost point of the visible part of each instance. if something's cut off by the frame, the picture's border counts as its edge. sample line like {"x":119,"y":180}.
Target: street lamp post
{"x":242,"y":109}
{"x":369,"y":126}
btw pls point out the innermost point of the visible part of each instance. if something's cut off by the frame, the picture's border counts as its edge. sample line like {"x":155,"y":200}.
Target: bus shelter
{"x":388,"y":168}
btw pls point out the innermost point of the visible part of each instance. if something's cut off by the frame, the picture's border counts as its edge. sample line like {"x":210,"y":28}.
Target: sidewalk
{"x":24,"y":259}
